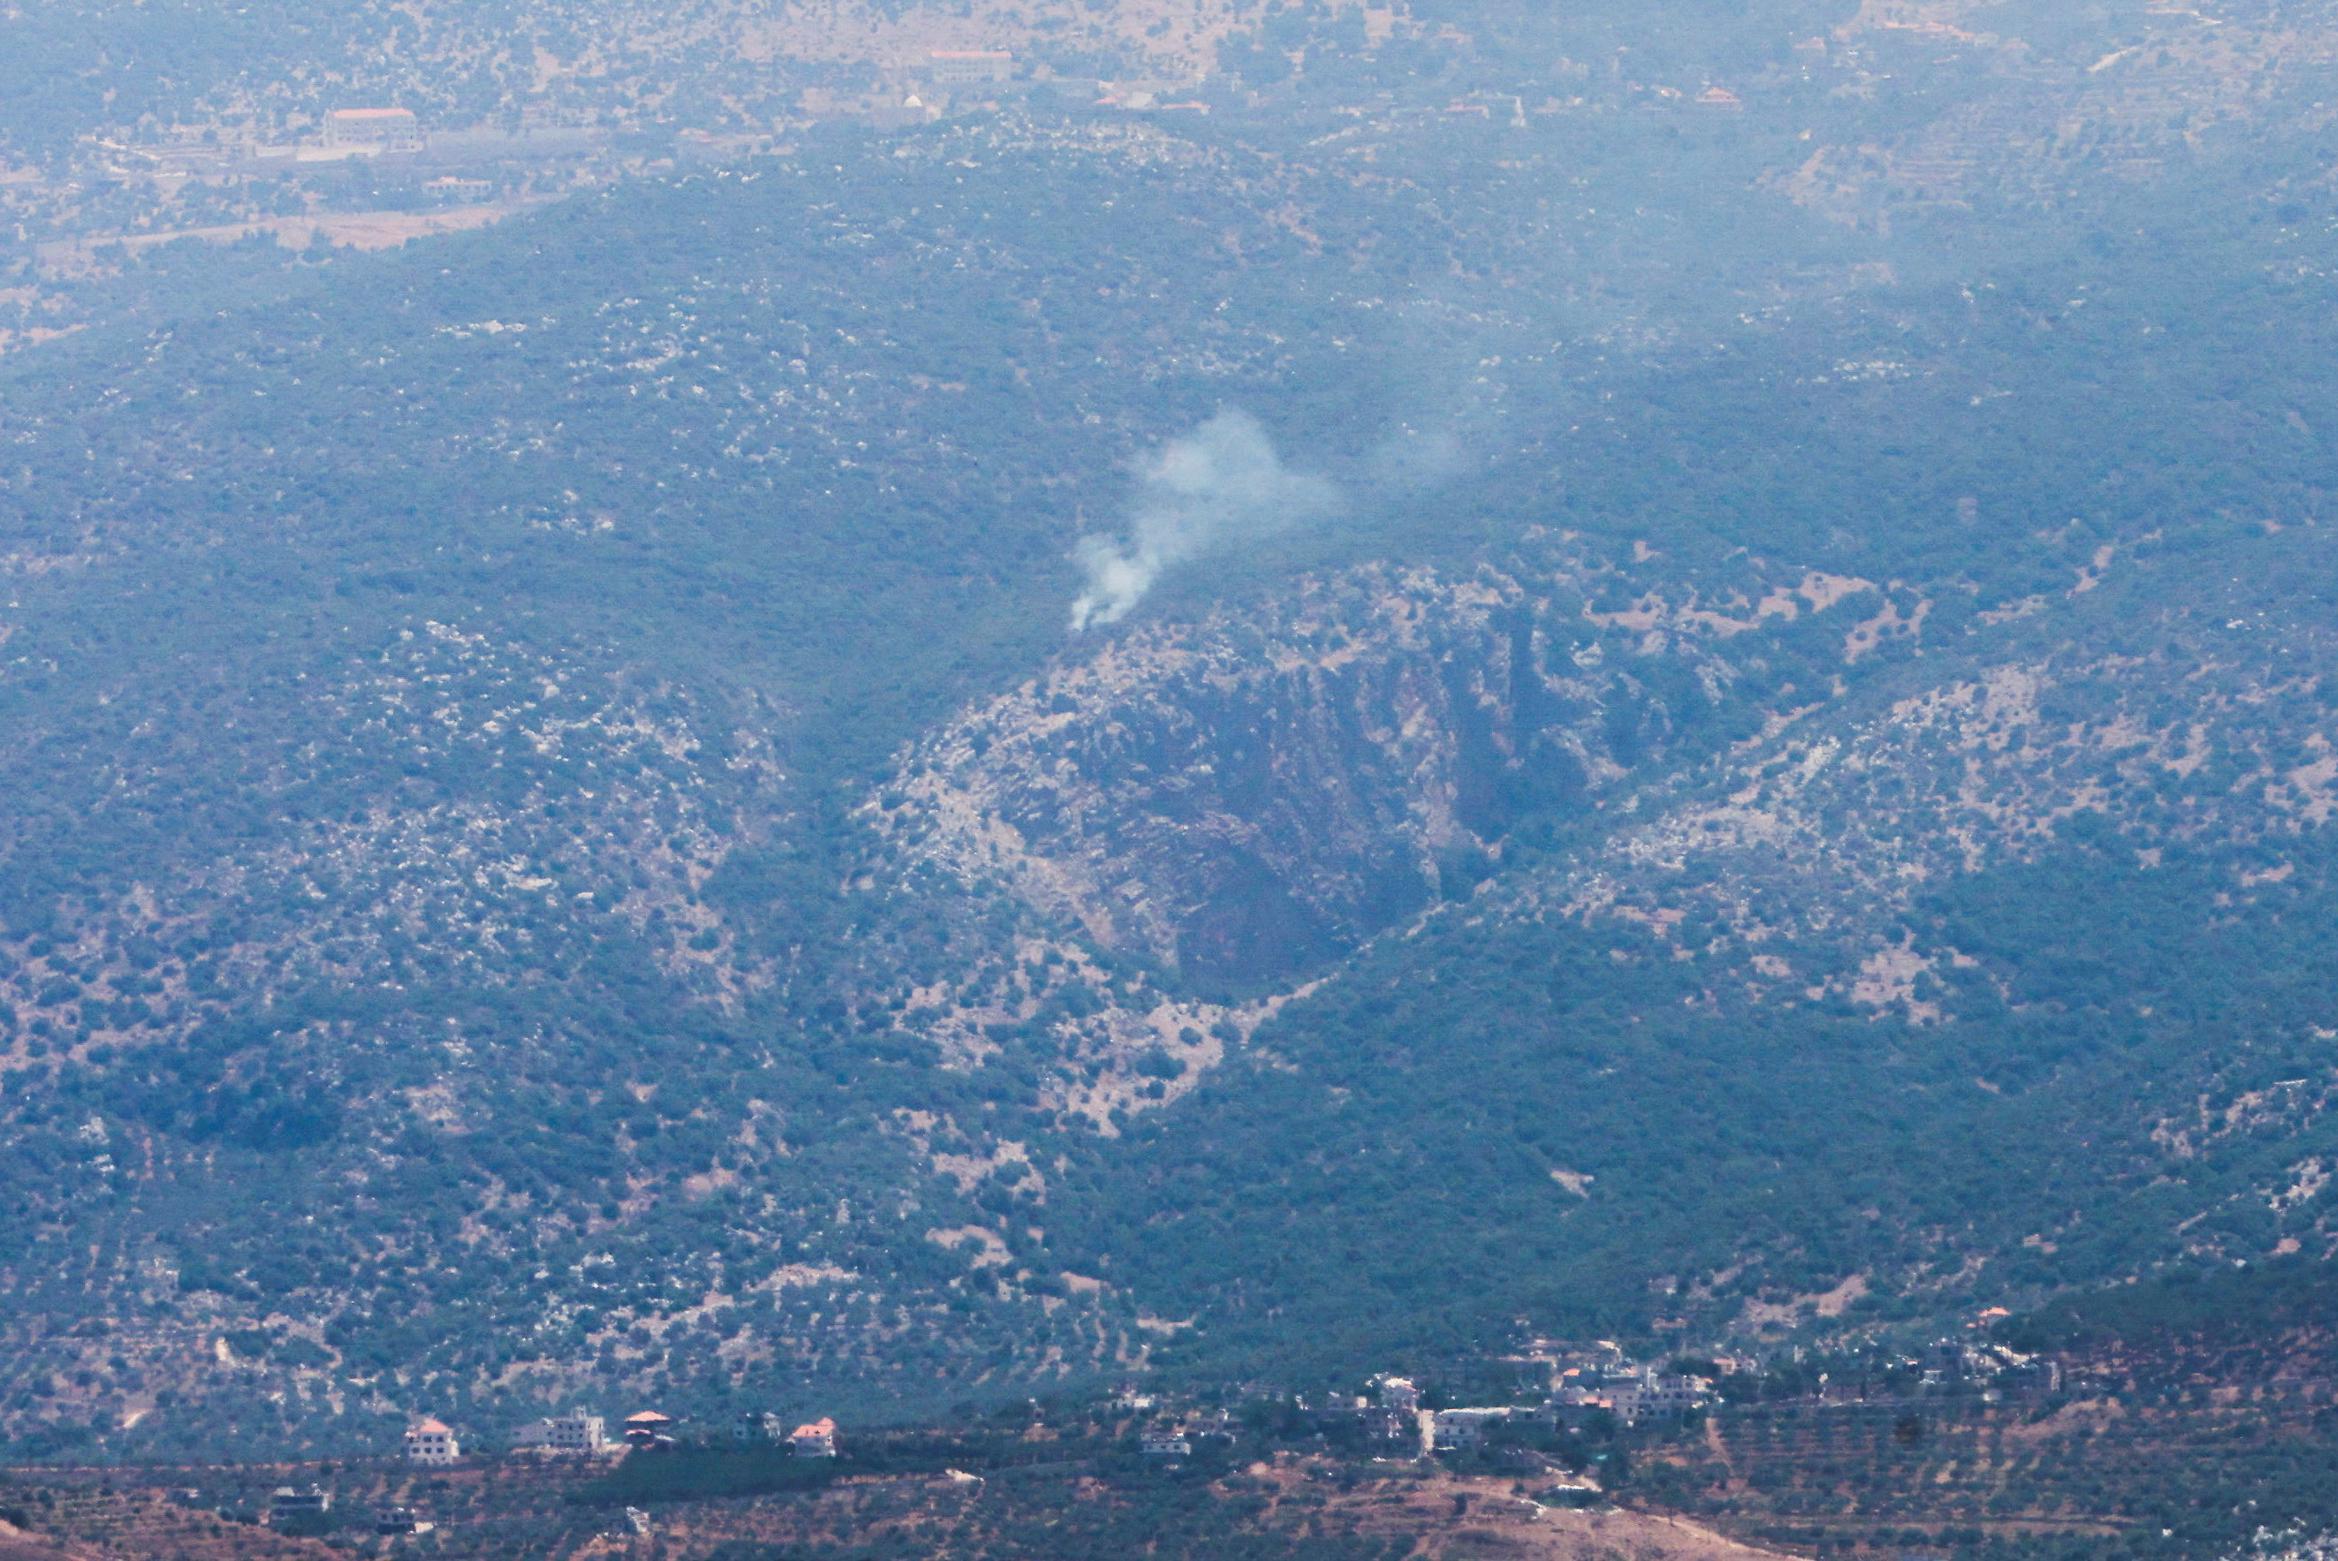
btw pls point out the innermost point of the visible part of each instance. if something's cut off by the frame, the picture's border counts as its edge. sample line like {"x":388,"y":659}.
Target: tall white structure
{"x":432,"y":1443}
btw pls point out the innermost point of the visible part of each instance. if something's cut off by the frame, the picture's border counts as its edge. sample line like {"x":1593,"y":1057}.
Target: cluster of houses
{"x":1571,"y":1388}
{"x":1963,"y":1366}
{"x":1632,"y":1393}
{"x":1565,"y":1391}
{"x":1558,"y":1388}
{"x":1391,"y":1415}
{"x":1603,"y":1384}
{"x":1171,"y":1437}
{"x":431,"y":1443}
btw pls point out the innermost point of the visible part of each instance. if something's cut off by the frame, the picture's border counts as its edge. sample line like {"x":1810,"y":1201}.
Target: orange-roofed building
{"x":432,"y":1443}
{"x":649,"y":1429}
{"x":816,"y":1440}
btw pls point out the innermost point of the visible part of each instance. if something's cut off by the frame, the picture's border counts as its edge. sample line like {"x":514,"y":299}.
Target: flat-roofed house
{"x":373,"y":129}
{"x":567,"y":1436}
{"x":968,"y":67}
{"x":1165,"y":1442}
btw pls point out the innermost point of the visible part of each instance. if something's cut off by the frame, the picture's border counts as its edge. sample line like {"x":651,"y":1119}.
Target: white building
{"x":1457,"y":1430}
{"x":1656,"y":1396}
{"x":968,"y":67}
{"x":1165,"y":1442}
{"x":815,"y":1440}
{"x":567,"y":1436}
{"x":372,"y":130}
{"x":432,"y":1443}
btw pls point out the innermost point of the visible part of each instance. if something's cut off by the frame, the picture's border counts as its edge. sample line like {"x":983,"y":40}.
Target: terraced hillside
{"x":2195,"y":1419}
{"x":1077,"y":1497}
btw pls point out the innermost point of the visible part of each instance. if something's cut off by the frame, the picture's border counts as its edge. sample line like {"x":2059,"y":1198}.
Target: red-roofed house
{"x":649,"y":1429}
{"x":817,"y":1440}
{"x":432,"y":1442}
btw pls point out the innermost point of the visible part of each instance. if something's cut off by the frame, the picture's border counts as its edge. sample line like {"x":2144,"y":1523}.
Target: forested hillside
{"x":1057,"y":743}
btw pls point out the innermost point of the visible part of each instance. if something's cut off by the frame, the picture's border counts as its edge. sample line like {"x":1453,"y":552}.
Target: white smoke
{"x":1215,"y":488}
{"x":1414,"y":458}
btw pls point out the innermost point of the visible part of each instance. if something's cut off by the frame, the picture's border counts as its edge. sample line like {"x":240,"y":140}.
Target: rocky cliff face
{"x":1248,"y":797}
{"x":1196,"y":820}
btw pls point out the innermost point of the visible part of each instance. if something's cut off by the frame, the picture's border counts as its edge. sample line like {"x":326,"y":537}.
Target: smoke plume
{"x":1216,"y":488}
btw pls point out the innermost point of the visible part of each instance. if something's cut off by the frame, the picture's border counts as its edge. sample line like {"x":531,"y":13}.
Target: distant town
{"x":389,"y":136}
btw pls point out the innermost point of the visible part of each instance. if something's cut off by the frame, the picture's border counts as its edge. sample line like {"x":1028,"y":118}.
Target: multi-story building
{"x":968,"y":67}
{"x":567,"y":1436}
{"x":1457,"y":1430}
{"x":432,"y":1443}
{"x":1659,"y":1396}
{"x":373,"y":130}
{"x":1165,"y":1442}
